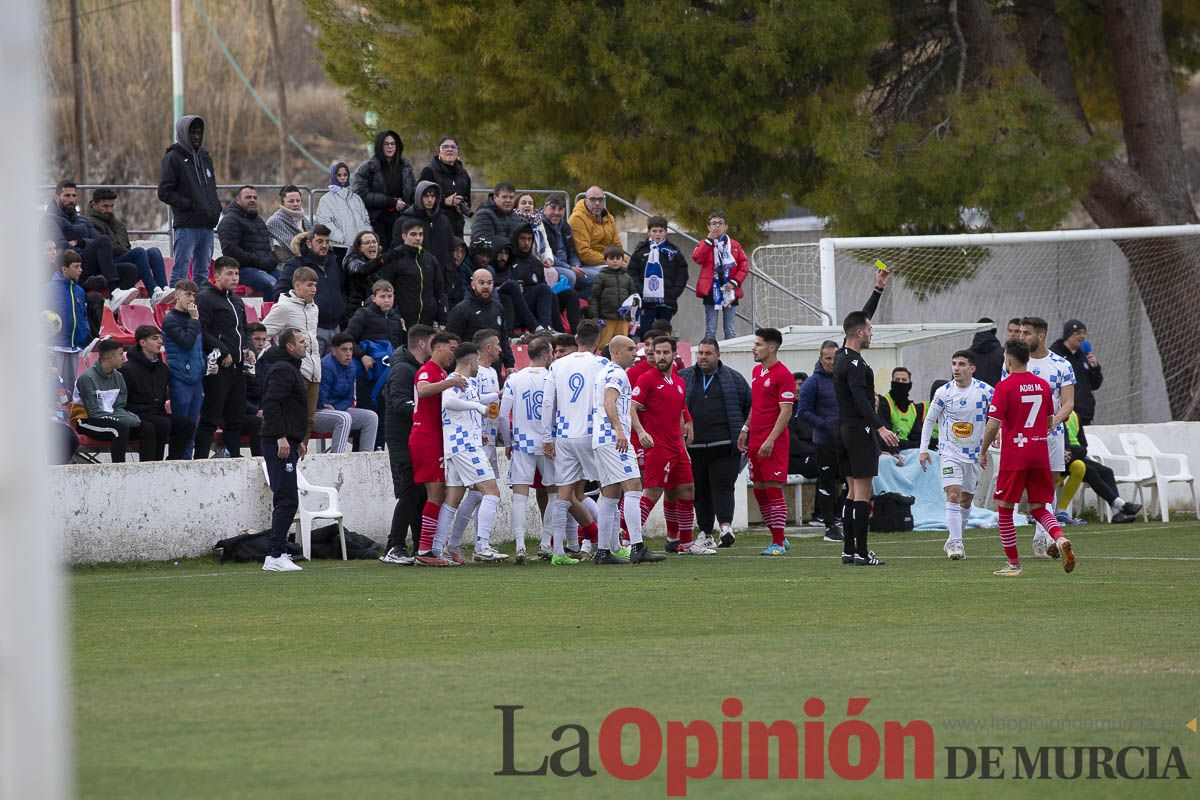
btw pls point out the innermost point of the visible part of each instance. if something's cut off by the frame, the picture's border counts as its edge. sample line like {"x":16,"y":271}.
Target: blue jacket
{"x":817,"y":405}
{"x":732,"y":385}
{"x":65,"y":227}
{"x":184,"y":343}
{"x":337,"y":384}
{"x":69,"y":302}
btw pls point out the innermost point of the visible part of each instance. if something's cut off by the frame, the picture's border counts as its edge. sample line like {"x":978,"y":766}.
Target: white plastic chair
{"x":1168,"y":468}
{"x":304,"y":518}
{"x":1126,"y":469}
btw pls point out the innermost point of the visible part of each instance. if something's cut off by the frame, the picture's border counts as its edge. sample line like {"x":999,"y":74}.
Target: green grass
{"x":361,"y":681}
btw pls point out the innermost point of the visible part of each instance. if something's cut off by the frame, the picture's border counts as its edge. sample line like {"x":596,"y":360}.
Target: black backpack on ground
{"x":892,"y":512}
{"x":248,"y":547}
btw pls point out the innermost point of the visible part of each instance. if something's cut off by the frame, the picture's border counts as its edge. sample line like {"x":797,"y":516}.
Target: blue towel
{"x":929,"y":512}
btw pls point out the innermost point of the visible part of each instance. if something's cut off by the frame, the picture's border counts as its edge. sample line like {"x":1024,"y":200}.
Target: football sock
{"x":966,"y":516}
{"x":633,"y":516}
{"x":645,"y":505}
{"x":488,"y":506}
{"x":571,"y":529}
{"x":1008,"y":536}
{"x":954,"y":522}
{"x":444,"y":523}
{"x":1117,"y":505}
{"x":1047,"y":520}
{"x":429,"y":521}
{"x":462,"y":517}
{"x":547,"y":515}
{"x":862,"y":523}
{"x":558,"y":523}
{"x":1074,"y":481}
{"x":592,"y":508}
{"x":670,"y":515}
{"x":591,"y":531}
{"x":777,"y":511}
{"x":685,"y":514}
{"x":848,"y":527}
{"x":516,"y":520}
{"x":606,"y":522}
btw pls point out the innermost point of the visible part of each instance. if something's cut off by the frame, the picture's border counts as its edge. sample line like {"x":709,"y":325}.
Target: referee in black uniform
{"x":860,"y":430}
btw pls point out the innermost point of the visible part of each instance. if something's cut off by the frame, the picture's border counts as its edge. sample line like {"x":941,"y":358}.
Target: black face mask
{"x":900,"y":391}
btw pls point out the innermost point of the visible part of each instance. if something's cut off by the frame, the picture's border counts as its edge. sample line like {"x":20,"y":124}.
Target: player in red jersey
{"x":657,"y":416}
{"x":1022,"y":411}
{"x":763,"y":437}
{"x":426,"y":444}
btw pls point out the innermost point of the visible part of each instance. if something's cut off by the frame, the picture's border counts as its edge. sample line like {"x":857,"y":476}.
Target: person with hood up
{"x":517,"y":312}
{"x":989,"y":354}
{"x":186,"y":183}
{"x":594,"y":229}
{"x":439,"y":233}
{"x":448,"y":172}
{"x":312,"y":250}
{"x":529,"y":272}
{"x":817,"y":405}
{"x":416,"y":277}
{"x":342,"y":211}
{"x":386,"y":184}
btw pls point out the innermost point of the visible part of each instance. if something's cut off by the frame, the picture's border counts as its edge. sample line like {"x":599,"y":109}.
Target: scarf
{"x":334,"y":186}
{"x":723,"y":264}
{"x":653,"y":288}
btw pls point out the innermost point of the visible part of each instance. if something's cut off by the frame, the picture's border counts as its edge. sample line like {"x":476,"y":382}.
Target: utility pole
{"x":77,"y":65}
{"x":280,"y":89}
{"x":176,"y":64}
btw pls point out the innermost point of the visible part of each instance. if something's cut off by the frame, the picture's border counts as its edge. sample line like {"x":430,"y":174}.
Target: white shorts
{"x":468,"y":467}
{"x":614,"y":466}
{"x":490,"y":451}
{"x":522,"y":467}
{"x":1058,"y":455}
{"x":961,"y":473}
{"x":573,"y":461}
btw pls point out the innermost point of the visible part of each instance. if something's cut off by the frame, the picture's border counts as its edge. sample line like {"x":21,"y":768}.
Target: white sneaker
{"x":1040,"y":543}
{"x":487,"y":553}
{"x":697,"y":549}
{"x":281,"y":563}
{"x":706,"y":541}
{"x":954,"y":550}
{"x":120,"y":297}
{"x":162,"y":295}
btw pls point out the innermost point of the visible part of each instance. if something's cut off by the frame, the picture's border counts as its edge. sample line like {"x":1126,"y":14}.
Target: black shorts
{"x":858,"y":451}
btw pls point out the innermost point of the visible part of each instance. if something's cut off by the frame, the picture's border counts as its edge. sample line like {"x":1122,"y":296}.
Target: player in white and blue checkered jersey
{"x":523,"y":431}
{"x":959,"y":409}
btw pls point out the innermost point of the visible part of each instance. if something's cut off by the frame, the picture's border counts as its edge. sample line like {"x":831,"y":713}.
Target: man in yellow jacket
{"x":594,"y":229}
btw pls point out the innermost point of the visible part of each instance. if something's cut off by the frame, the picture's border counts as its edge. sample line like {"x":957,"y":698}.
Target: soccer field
{"x":356,"y":680}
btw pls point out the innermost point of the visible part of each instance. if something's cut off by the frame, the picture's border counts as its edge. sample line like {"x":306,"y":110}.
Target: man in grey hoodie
{"x":187,"y":185}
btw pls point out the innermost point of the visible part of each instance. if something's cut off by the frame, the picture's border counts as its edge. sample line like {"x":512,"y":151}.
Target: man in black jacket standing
{"x":285,"y":424}
{"x":223,"y":320}
{"x":1075,"y":348}
{"x":989,"y":354}
{"x":401,"y":401}
{"x":718,"y":398}
{"x":480,"y":311}
{"x":146,"y":379}
{"x":244,"y":236}
{"x":187,"y":185}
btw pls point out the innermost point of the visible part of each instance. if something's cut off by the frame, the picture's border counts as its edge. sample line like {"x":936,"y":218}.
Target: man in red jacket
{"x":723,"y":270}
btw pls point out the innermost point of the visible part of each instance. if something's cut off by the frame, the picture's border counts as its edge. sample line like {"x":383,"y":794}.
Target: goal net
{"x":1058,"y":275}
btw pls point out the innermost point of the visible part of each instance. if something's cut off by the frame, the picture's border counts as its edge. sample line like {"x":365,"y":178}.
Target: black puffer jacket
{"x":245,"y":238}
{"x":491,"y":222}
{"x":526,"y":268}
{"x":371,"y":324}
{"x":146,"y":382}
{"x":223,"y":320}
{"x":417,"y":278}
{"x":439,"y":234}
{"x":674,"y":267}
{"x":358,"y":275}
{"x":285,"y":398}
{"x":989,"y":356}
{"x":452,"y":179}
{"x":475,"y":314}
{"x":379,"y":183}
{"x":186,"y":181}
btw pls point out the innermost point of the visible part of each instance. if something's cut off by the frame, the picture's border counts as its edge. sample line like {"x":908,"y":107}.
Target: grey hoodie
{"x":186,"y":182}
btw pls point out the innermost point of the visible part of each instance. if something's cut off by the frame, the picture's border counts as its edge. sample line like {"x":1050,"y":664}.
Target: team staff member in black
{"x":861,"y":430}
{"x":284,"y":428}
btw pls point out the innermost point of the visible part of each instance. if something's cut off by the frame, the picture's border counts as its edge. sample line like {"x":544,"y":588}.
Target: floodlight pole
{"x":176,"y":63}
{"x":33,"y":735}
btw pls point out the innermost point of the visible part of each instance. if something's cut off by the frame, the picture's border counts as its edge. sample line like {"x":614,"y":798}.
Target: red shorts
{"x":774,"y":468}
{"x":666,"y":469}
{"x":427,"y":464}
{"x":1037,"y":484}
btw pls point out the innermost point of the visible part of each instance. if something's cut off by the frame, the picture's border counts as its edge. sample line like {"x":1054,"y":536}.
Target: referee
{"x":861,"y":430}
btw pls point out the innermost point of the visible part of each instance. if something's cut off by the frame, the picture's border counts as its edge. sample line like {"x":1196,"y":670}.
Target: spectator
{"x":287,"y":222}
{"x":147,"y":379}
{"x":1012,"y":333}
{"x":147,"y":261}
{"x":70,"y":231}
{"x":497,"y":217}
{"x":187,"y":185}
{"x":528,"y":211}
{"x":222,"y":316}
{"x":561,"y":239}
{"x":1075,"y":348}
{"x":802,"y":452}
{"x":723,"y":271}
{"x":462,"y":270}
{"x":68,"y":301}
{"x":342,"y":211}
{"x":439,"y":234}
{"x":244,"y":237}
{"x":448,"y":172}
{"x":358,"y":271}
{"x":256,"y":384}
{"x":298,"y":309}
{"x":594,"y":229}
{"x":1096,"y":475}
{"x":102,"y":393}
{"x":66,"y":440}
{"x":283,"y":435}
{"x":336,"y":413}
{"x":183,"y":338}
{"x":902,"y":415}
{"x":479,"y":311}
{"x":718,"y":398}
{"x":530,"y":274}
{"x":377,"y":329}
{"x":312,"y":250}
{"x":416,"y":277}
{"x":989,"y":355}
{"x":385,"y":182}
{"x":610,"y":289}
{"x":816,"y":403}
{"x":659,"y":273}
